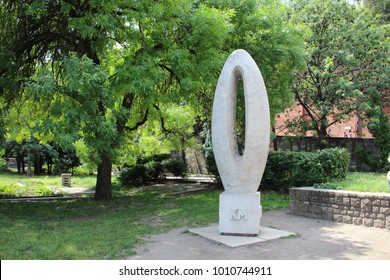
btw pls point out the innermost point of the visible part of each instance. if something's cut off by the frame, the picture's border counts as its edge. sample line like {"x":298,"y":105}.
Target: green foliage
{"x":66,"y":161}
{"x":3,"y":163}
{"x":380,"y":7}
{"x":347,"y":65}
{"x":135,"y":174}
{"x":62,"y":230}
{"x":2,"y":131}
{"x":101,"y":71}
{"x":172,"y":130}
{"x":176,"y":167}
{"x":274,"y":201}
{"x":365,"y":162}
{"x":57,"y":160}
{"x":328,"y":186}
{"x":296,"y":169}
{"x":360,"y":182}
{"x":87,"y":158}
{"x":151,"y":169}
{"x":9,"y":191}
{"x":212,"y":167}
{"x":379,"y":125}
{"x":264,"y":30}
{"x":15,"y":190}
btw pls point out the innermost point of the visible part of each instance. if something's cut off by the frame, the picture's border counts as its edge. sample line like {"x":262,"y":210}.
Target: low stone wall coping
{"x":358,"y":208}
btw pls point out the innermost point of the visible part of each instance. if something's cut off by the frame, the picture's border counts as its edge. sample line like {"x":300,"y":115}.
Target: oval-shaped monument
{"x":240,"y":173}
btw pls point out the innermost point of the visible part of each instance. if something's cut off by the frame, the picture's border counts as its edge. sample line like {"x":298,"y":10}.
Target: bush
{"x":3,"y":162}
{"x":365,"y":162}
{"x":132,"y":175}
{"x":154,"y":170}
{"x":3,"y":165}
{"x":8,"y":191}
{"x":18,"y":190}
{"x":295,"y":169}
{"x":212,"y":168}
{"x":151,"y":169}
{"x":176,"y":167}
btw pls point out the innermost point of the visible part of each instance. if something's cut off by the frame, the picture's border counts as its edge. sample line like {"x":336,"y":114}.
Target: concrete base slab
{"x":265,"y":234}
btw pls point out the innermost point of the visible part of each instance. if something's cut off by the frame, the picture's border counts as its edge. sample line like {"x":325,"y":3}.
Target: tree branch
{"x":164,"y":129}
{"x":138,"y":124}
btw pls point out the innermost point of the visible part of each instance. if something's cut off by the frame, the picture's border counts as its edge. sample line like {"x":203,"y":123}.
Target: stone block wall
{"x":357,"y":208}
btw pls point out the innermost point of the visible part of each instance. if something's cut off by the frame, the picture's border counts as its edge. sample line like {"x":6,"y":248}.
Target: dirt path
{"x":314,"y":240}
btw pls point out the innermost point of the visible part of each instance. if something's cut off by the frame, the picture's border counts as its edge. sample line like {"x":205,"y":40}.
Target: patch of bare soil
{"x":313,"y":240}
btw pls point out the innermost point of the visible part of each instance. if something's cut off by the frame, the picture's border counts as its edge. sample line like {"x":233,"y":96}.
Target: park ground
{"x":153,"y":222}
{"x":311,"y":240}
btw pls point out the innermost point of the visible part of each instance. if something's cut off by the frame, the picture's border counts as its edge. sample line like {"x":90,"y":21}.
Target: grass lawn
{"x":365,"y":182}
{"x":361,"y":182}
{"x":87,"y":229}
{"x":14,"y":185}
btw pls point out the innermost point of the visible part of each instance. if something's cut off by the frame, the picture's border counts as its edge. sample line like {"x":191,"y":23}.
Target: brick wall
{"x":366,"y":209}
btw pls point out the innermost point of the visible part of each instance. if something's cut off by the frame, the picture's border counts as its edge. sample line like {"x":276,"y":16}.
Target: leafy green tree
{"x":347,"y":70}
{"x":263,"y":28}
{"x":108,"y":67}
{"x":100,"y":70}
{"x":380,"y":7}
{"x":172,"y":133}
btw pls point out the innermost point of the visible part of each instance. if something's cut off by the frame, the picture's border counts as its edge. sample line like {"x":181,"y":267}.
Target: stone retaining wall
{"x":367,"y":209}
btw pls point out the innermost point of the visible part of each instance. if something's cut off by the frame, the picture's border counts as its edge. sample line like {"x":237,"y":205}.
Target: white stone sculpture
{"x":239,"y":209}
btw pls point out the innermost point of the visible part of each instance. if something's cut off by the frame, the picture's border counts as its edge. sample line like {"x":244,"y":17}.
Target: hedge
{"x":151,"y":169}
{"x":285,"y":170}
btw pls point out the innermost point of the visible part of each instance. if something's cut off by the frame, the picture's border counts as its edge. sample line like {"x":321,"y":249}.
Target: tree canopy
{"x":379,"y":7}
{"x":347,"y":69}
{"x":96,"y":73}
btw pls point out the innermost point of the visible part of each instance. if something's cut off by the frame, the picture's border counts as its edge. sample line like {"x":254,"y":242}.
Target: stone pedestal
{"x":239,"y":213}
{"x":66,"y":179}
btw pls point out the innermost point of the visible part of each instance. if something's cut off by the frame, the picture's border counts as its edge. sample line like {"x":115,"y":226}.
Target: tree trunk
{"x":38,"y":164}
{"x":275,"y":140}
{"x":23,"y":164}
{"x":322,"y":135}
{"x":49,"y":166}
{"x":19,"y":160}
{"x":29,"y":163}
{"x":103,"y":181}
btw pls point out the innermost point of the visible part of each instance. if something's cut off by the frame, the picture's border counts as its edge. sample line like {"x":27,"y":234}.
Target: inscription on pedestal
{"x":238,"y":214}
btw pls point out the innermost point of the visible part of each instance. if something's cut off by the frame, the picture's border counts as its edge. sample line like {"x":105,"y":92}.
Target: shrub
{"x":332,"y":164}
{"x":151,"y":169}
{"x":176,"y":167}
{"x":154,"y":170}
{"x":8,"y":191}
{"x":212,"y":168}
{"x":295,"y":169}
{"x":3,"y":163}
{"x":18,"y":190}
{"x":42,"y":190}
{"x":365,"y":162}
{"x":133,"y":174}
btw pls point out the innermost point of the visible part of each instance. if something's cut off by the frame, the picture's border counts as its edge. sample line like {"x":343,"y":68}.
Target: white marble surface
{"x":240,"y":173}
{"x":239,"y":213}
